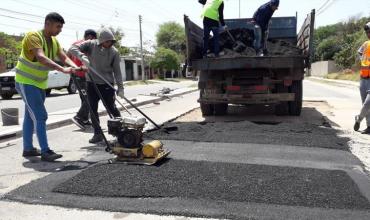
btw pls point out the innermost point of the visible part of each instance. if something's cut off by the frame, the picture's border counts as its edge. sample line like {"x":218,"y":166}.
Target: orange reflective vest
{"x":365,"y":61}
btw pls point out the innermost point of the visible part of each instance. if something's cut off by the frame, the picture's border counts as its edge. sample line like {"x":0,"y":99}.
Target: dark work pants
{"x":109,"y":99}
{"x":83,"y":112}
{"x":208,"y":26}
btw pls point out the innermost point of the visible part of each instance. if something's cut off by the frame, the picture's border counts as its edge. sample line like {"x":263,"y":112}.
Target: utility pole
{"x":239,"y":8}
{"x":141,"y":48}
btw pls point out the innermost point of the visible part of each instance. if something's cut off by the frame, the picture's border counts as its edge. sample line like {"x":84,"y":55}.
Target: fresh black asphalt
{"x":196,"y":188}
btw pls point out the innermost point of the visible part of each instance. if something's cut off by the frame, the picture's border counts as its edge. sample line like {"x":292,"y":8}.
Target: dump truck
{"x":247,"y":79}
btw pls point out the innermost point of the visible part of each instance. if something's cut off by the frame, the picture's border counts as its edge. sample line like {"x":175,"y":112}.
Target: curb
{"x":65,"y":122}
{"x":334,"y":81}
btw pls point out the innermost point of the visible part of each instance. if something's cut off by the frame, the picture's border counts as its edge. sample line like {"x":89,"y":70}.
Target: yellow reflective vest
{"x":210,"y":9}
{"x":33,"y":72}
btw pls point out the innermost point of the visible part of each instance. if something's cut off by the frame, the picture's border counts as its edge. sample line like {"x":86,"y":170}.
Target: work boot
{"x":366,"y":131}
{"x":356,"y":127}
{"x":50,"y":156}
{"x":96,"y":139}
{"x":79,"y":122}
{"x":31,"y":153}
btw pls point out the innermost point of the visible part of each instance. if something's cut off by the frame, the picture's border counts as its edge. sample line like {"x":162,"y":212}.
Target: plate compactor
{"x":128,"y":147}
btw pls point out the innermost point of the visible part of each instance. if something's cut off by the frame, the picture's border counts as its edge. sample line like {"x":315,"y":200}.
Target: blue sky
{"x":20,"y":16}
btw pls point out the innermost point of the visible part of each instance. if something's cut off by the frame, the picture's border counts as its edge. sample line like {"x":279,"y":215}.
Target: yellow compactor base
{"x":141,"y":160}
{"x":149,"y":154}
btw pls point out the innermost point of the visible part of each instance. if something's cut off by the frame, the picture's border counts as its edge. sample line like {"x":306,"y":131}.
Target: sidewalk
{"x":63,"y":118}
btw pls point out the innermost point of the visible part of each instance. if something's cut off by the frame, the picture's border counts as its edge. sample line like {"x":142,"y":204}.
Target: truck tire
{"x":282,"y":109}
{"x":295,"y":107}
{"x":220,"y":109}
{"x":7,"y":96}
{"x":72,"y":89}
{"x":207,"y":109}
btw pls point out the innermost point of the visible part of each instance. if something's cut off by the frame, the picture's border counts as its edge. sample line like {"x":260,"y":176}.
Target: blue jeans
{"x":35,"y":116}
{"x":365,"y":97}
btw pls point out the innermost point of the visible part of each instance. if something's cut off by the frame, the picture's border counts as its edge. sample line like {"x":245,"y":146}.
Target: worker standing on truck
{"x":261,"y":21}
{"x":101,"y":55}
{"x":364,"y":52}
{"x":213,"y":16}
{"x":39,"y":51}
{"x":81,"y":119}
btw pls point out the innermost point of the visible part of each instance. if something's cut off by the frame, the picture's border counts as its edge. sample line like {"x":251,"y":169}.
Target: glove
{"x":85,"y":61}
{"x":121,"y":93}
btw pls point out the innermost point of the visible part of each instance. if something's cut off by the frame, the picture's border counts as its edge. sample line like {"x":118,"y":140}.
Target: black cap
{"x":90,"y":32}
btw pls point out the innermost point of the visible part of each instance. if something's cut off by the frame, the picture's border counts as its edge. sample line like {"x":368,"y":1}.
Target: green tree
{"x":165,"y":59}
{"x":171,"y":35}
{"x":328,"y":48}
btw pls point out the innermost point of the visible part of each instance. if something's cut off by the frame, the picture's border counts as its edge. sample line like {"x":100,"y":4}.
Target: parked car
{"x":57,"y":80}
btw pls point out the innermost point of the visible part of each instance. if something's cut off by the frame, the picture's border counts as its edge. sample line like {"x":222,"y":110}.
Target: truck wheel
{"x":207,"y":109}
{"x":7,"y":96}
{"x":48,"y":92}
{"x":72,"y":89}
{"x":282,"y":108}
{"x":220,"y":109}
{"x":295,"y":107}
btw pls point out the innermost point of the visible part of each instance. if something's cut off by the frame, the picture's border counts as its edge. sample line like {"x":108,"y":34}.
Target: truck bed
{"x":281,"y":28}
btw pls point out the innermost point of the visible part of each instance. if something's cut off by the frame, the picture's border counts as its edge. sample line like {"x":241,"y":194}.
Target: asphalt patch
{"x":215,"y":181}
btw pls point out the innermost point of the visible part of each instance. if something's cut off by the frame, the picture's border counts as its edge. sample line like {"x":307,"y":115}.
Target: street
{"x":231,"y":167}
{"x":53,"y":105}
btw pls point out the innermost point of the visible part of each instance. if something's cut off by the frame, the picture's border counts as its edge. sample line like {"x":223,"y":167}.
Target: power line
{"x":322,"y":6}
{"x":327,"y":7}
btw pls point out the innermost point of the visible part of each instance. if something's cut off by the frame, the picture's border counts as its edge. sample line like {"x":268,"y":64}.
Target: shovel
{"x":238,"y":46}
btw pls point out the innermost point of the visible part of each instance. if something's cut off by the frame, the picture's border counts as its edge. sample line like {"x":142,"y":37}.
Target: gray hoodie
{"x":105,"y":61}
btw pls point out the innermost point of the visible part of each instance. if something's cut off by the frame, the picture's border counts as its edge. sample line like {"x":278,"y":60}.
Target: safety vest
{"x":210,"y":9}
{"x":33,"y":72}
{"x":365,"y":61}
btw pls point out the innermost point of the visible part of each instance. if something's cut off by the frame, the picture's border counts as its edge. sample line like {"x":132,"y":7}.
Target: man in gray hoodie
{"x":101,"y":55}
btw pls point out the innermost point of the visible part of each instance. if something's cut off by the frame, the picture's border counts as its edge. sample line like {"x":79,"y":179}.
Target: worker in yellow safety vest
{"x":364,"y":52}
{"x":213,"y":16}
{"x":40,"y":49}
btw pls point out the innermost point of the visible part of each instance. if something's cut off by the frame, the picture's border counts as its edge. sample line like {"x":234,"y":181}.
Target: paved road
{"x":61,"y":100}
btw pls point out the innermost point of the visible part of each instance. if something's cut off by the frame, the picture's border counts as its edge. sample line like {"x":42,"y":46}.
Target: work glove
{"x":121,"y":93}
{"x":85,"y":60}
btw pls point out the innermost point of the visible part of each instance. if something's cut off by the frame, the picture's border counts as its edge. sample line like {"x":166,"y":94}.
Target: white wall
{"x":323,"y":68}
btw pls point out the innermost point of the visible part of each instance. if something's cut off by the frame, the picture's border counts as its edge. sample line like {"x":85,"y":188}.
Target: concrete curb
{"x":64,"y":122}
{"x":335,"y":81}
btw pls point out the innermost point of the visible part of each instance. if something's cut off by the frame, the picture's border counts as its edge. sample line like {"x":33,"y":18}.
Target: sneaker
{"x":96,"y":139}
{"x":31,"y":153}
{"x":87,"y":123}
{"x":50,"y":156}
{"x":356,"y":127}
{"x":366,"y":131}
{"x":79,"y":122}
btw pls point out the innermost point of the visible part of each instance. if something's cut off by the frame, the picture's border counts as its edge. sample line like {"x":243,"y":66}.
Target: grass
{"x":355,"y":76}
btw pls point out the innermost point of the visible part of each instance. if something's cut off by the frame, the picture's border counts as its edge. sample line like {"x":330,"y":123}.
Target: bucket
{"x":10,"y":116}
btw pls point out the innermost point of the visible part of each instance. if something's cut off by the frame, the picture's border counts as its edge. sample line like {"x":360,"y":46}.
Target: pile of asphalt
{"x":217,"y":181}
{"x":246,"y":36}
{"x":285,"y":133}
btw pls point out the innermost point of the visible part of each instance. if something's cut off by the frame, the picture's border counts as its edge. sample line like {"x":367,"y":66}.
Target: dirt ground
{"x":258,"y":124}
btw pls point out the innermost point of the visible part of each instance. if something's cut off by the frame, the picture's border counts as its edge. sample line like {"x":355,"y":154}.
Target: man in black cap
{"x":261,"y":20}
{"x":81,"y":119}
